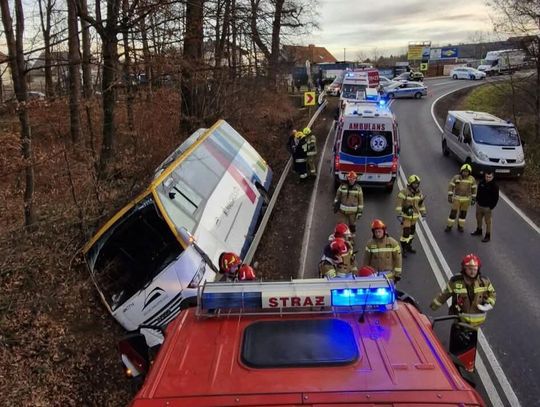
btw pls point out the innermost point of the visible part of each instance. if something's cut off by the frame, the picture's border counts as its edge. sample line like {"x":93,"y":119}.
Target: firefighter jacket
{"x":311,"y":142}
{"x":487,"y":195}
{"x":384,"y":255}
{"x":410,"y":204}
{"x":349,"y":199}
{"x":465,"y":298}
{"x":462,"y":188}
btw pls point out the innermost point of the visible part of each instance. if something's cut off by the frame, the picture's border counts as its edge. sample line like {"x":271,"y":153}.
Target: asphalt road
{"x":509,"y":355}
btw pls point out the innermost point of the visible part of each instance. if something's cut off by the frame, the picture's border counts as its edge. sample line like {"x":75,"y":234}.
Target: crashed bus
{"x":207,"y":197}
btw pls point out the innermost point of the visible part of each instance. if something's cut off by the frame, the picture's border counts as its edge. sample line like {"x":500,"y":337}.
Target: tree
{"x":45,"y":12}
{"x":74,"y":72}
{"x":18,"y":74}
{"x":522,"y":17}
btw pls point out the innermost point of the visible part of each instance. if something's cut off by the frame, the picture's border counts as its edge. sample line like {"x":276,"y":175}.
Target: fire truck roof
{"x":351,"y":357}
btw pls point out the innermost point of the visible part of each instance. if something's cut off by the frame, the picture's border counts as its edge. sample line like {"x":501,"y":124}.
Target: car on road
{"x":485,"y":141}
{"x":406,"y":89}
{"x":465,"y":72}
{"x":410,"y":76}
{"x":384,"y":81}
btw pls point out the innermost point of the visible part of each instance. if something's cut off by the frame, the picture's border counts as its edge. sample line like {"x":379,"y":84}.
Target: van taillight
{"x":336,"y":163}
{"x":395,"y":164}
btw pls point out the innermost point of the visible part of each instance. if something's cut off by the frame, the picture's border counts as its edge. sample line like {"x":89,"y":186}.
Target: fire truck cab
{"x":366,"y":141}
{"x":304,"y":342}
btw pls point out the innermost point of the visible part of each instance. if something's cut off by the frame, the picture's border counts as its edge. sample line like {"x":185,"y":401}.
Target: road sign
{"x":423,"y":66}
{"x":309,"y":98}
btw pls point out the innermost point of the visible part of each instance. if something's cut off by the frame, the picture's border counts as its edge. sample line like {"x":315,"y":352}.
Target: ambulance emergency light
{"x":373,"y":292}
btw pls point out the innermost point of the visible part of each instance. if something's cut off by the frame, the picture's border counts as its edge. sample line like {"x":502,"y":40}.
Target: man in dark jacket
{"x":487,"y":197}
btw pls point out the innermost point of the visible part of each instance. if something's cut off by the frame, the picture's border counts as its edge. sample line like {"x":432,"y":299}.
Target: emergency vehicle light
{"x":310,"y":294}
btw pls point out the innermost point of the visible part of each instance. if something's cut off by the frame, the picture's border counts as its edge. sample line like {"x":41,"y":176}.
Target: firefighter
{"x":487,"y":198}
{"x":342,"y":230}
{"x":334,"y":261}
{"x":461,"y":194}
{"x":311,"y":141}
{"x":300,"y":155}
{"x":409,"y":208}
{"x":383,"y":252}
{"x":472,"y":293}
{"x":349,"y":202}
{"x":232,"y":268}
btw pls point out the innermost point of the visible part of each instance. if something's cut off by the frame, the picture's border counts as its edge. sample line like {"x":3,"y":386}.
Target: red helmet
{"x":246,"y":272}
{"x":471,"y":260}
{"x":341,"y":230}
{"x":352,"y":176}
{"x":227,"y":262}
{"x":366,"y":271}
{"x":378,"y":224}
{"x":339,"y":247}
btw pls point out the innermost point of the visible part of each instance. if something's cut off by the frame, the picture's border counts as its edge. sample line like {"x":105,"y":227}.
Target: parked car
{"x":410,"y":76}
{"x":405,"y":89}
{"x":465,"y":72}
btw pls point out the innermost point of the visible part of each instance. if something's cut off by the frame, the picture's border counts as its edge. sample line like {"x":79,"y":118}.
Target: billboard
{"x":415,"y":52}
{"x":443,"y":53}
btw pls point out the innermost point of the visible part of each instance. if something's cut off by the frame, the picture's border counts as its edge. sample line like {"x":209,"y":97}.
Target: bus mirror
{"x":186,"y":237}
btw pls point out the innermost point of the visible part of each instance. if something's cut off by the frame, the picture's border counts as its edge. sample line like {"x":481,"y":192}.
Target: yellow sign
{"x":309,"y":98}
{"x":423,"y":66}
{"x":415,"y":52}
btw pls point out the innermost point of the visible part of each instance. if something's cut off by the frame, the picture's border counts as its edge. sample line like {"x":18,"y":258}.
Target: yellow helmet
{"x":299,"y":135}
{"x":412,"y":179}
{"x":466,"y":167}
{"x":307,"y":131}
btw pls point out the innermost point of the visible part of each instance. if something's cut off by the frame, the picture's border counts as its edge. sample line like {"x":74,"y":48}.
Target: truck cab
{"x":314,"y":342}
{"x":366,"y":141}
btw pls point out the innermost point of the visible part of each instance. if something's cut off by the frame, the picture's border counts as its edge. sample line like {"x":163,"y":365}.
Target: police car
{"x":303,"y":342}
{"x":405,"y":89}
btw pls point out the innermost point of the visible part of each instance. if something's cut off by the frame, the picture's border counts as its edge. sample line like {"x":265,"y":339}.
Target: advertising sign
{"x":415,"y":52}
{"x":435,"y":53}
{"x":449,"y":52}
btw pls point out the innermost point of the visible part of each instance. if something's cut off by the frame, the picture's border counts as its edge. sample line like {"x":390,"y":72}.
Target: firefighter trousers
{"x":312,"y":167}
{"x":408,"y":229}
{"x":349,"y":219}
{"x":459,"y":208}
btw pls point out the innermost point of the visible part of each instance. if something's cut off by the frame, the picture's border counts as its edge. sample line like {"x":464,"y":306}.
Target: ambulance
{"x":366,"y":141}
{"x":313,"y":342}
{"x":207,"y":197}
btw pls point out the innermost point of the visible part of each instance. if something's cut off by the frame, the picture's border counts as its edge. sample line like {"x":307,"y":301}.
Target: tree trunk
{"x":46,"y":29}
{"x":127,"y":71}
{"x":274,"y":54}
{"x":17,"y":64}
{"x":86,"y":54}
{"x":74,"y":73}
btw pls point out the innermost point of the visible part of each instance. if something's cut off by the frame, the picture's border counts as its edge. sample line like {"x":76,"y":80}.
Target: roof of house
{"x":313,"y":54}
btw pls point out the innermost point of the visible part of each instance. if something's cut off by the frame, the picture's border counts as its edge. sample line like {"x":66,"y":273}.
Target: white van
{"x":483,"y":140}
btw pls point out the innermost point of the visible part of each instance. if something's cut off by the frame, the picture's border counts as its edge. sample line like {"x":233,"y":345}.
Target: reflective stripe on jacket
{"x":462,"y":187}
{"x":410,"y":204}
{"x":383,"y":255}
{"x":350,"y":198}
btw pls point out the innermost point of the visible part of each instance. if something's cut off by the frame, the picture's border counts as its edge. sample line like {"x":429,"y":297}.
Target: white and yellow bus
{"x":213,"y":188}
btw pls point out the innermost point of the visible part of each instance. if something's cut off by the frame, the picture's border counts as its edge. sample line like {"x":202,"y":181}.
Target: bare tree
{"x":86,"y":53}
{"x":74,"y":72}
{"x":522,"y":17}
{"x":18,"y":73}
{"x":46,"y":8}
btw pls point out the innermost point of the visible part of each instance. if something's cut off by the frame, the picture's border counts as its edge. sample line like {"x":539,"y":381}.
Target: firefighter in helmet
{"x":342,"y":230}
{"x":232,"y":268}
{"x":409,"y":208}
{"x":311,"y":142}
{"x":299,"y":155}
{"x":461,"y":194}
{"x":472,"y":293}
{"x":383,"y":252}
{"x":334,"y":262}
{"x":349,"y":201}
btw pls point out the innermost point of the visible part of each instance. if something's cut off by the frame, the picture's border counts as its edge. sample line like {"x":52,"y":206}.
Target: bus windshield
{"x":132,"y":252}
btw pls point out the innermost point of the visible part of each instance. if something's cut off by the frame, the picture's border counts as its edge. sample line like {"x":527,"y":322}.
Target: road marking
{"x":493,"y":395}
{"x":311,"y":210}
{"x":528,"y":220}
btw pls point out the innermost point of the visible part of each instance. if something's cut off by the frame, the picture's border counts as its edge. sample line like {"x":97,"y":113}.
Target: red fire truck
{"x":314,"y":342}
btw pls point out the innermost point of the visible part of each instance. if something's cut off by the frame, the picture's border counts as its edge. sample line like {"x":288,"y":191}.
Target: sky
{"x":382,"y":27}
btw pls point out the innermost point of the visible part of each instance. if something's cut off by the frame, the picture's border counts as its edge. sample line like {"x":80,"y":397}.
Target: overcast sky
{"x":389,"y":25}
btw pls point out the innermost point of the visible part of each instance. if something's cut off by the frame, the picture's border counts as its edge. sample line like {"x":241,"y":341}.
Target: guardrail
{"x":266,"y":216}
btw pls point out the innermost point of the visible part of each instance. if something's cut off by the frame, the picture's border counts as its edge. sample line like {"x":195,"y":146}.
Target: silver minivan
{"x":485,"y":141}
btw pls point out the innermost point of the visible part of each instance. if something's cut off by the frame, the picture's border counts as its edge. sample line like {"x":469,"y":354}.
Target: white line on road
{"x":311,"y":210}
{"x":493,"y":395}
{"x":503,"y":196}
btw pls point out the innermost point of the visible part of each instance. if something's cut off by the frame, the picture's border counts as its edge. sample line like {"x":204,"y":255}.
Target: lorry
{"x":206,"y":198}
{"x":366,"y":141}
{"x":315,"y":342}
{"x":502,"y":61}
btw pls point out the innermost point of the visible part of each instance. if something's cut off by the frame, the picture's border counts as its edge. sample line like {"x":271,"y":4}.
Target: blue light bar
{"x":348,"y":297}
{"x":382,"y":102}
{"x":231,"y":300}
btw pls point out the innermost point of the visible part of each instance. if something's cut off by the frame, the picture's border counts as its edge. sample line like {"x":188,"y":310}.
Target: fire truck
{"x":366,"y":141}
{"x":316,"y":342}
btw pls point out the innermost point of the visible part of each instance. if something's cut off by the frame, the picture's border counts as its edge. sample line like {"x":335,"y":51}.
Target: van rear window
{"x":299,"y":343}
{"x":366,"y":143}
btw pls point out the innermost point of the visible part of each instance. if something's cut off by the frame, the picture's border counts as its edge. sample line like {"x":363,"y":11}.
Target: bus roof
{"x":399,"y":360}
